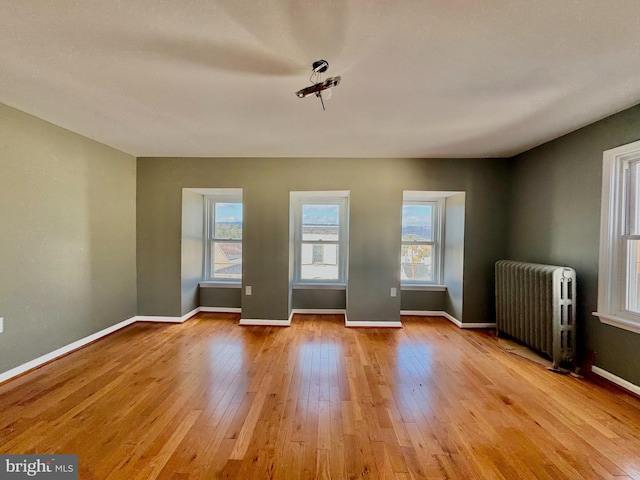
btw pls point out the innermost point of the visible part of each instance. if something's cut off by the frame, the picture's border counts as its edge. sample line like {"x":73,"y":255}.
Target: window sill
{"x":220,"y":285}
{"x":424,"y":288}
{"x":318,"y":286}
{"x":619,"y":322}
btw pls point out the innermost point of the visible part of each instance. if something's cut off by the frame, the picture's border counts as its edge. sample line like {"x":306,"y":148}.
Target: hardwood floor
{"x":210,"y":399}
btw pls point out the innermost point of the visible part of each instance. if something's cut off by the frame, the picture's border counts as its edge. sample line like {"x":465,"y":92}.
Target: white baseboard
{"x":243,"y":321}
{"x":347,"y":322}
{"x":319,"y":311}
{"x":25,"y":367}
{"x":151,"y":318}
{"x":14,"y":372}
{"x":621,"y":382}
{"x":182,"y":319}
{"x":220,"y":309}
{"x":433,"y":313}
{"x":262,"y":322}
{"x":424,"y":313}
{"x":187,"y":316}
{"x":478,"y":325}
{"x":372,"y":324}
{"x":451,"y":318}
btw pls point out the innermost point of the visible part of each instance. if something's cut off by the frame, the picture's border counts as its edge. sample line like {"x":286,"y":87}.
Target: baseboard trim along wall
{"x":159,"y":319}
{"x":451,"y":318}
{"x":368,"y":324}
{"x":38,"y":362}
{"x":347,"y":322}
{"x":220,"y":309}
{"x":182,"y":319}
{"x":621,"y":382}
{"x":187,"y":316}
{"x":19,"y":370}
{"x":263,"y":322}
{"x":319,"y":311}
{"x":477,"y":325}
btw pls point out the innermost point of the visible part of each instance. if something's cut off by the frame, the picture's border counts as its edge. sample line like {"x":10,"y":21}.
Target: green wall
{"x":220,"y":297}
{"x":375,"y":187}
{"x":429,"y":301}
{"x":67,"y":247}
{"x":265,"y":239}
{"x":312,"y":299}
{"x":555,"y":219}
{"x":454,"y":259}
{"x":192,"y":249}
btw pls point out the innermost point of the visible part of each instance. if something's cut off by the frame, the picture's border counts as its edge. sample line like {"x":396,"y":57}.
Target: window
{"x":223,"y":250}
{"x":320,"y":227}
{"x":619,"y":267}
{"x":631,"y":235}
{"x":421,"y":252}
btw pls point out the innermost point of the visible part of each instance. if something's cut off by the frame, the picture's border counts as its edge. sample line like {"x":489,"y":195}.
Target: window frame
{"x":437,"y":242}
{"x":298,"y":200}
{"x":614,"y":237}
{"x":210,"y":201}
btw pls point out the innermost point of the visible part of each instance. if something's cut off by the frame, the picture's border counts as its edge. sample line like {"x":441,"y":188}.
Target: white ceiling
{"x":447,"y":78}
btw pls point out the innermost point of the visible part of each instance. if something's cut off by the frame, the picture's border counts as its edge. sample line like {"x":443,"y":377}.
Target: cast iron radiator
{"x":535,"y":305}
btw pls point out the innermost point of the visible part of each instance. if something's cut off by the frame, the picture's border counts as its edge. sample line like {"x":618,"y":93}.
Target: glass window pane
{"x":416,"y":263}
{"x":633,"y":276}
{"x":226,"y":261}
{"x":633,"y":199}
{"x":228,"y":221}
{"x":417,"y":223}
{"x":320,"y":222}
{"x":319,"y":261}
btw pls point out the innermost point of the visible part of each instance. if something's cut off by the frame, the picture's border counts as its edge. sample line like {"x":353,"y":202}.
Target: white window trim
{"x":337,"y":197}
{"x":222,"y":195}
{"x":612,"y":266}
{"x":438,"y":199}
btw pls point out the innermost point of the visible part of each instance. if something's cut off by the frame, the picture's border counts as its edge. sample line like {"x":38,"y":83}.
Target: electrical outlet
{"x":394,"y":292}
{"x":247,"y":290}
{"x":1,"y":324}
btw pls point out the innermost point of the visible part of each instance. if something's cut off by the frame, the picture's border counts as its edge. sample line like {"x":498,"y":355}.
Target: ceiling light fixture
{"x":318,"y":68}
